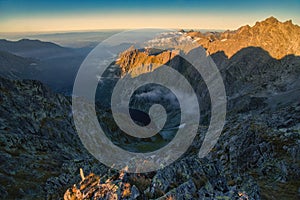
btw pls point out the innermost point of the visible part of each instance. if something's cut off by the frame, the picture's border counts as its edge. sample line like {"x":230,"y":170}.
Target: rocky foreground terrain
{"x":256,"y":157}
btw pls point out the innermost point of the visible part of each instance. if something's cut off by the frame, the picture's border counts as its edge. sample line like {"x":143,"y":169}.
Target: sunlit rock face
{"x":278,"y":38}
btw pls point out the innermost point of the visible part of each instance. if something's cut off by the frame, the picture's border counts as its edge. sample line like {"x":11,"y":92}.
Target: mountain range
{"x":256,"y":157}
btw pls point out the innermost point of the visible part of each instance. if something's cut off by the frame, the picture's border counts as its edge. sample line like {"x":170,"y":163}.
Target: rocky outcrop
{"x":93,"y":187}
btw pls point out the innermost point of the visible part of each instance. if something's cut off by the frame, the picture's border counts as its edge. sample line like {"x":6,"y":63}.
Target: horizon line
{"x":110,"y":29}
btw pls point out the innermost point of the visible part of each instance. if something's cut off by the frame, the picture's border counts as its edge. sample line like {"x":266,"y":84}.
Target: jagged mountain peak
{"x":271,"y":20}
{"x":274,"y":22}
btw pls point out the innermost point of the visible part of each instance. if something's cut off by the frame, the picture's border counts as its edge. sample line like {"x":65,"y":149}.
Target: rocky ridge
{"x":277,"y":38}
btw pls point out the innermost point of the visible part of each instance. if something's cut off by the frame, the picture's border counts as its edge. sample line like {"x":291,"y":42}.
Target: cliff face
{"x":279,"y":39}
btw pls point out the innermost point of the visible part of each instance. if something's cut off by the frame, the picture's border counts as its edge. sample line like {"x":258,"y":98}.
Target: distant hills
{"x":50,"y":63}
{"x":34,"y":49}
